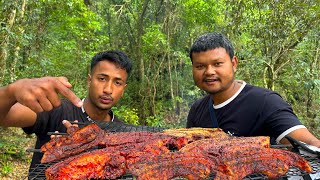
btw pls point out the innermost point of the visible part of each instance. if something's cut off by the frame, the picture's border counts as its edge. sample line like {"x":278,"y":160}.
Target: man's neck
{"x":225,"y":95}
{"x":94,"y":113}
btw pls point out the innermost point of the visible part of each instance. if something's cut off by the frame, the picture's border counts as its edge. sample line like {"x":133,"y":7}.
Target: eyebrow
{"x":117,"y":78}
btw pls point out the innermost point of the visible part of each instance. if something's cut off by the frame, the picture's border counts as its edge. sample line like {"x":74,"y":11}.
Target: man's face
{"x":107,"y":83}
{"x":213,"y":71}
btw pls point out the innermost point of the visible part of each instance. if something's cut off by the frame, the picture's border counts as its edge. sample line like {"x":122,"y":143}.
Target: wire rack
{"x":38,"y":172}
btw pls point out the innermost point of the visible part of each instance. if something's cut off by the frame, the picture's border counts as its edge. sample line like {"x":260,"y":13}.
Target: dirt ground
{"x":20,"y":167}
{"x":20,"y":171}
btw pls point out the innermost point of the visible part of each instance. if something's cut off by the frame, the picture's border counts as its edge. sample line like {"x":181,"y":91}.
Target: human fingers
{"x":38,"y":94}
{"x":76,"y":125}
{"x":53,"y":99}
{"x":71,"y":128}
{"x":42,"y":99}
{"x":50,"y":99}
{"x":66,"y":123}
{"x":55,"y":136}
{"x":33,"y":104}
{"x":64,"y":81}
{"x":45,"y":103}
{"x":63,"y":88}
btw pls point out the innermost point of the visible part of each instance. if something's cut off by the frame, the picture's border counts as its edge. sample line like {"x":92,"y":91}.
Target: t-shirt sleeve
{"x":280,"y":116}
{"x":41,"y":124}
{"x":47,"y":121}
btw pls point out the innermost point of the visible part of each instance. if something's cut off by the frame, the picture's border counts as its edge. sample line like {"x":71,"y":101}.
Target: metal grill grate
{"x":38,"y":172}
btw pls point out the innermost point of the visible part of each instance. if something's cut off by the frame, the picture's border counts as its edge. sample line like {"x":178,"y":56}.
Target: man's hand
{"x":71,"y":128}
{"x":41,"y":94}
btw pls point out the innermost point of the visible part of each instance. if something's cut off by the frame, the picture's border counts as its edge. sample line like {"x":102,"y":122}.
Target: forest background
{"x":276,"y":42}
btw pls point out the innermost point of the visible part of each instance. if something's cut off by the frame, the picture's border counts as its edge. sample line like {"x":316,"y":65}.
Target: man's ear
{"x":89,"y":80}
{"x":125,"y":87}
{"x":234,"y":63}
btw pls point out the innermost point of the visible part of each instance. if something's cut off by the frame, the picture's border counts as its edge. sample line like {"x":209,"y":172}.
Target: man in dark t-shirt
{"x":34,"y":104}
{"x":252,"y":111}
{"x":51,"y":121}
{"x":238,"y":108}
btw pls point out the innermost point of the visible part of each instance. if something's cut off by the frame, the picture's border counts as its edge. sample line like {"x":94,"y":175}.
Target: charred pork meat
{"x":190,"y":153}
{"x":247,"y":155}
{"x":76,"y":142}
{"x":97,"y":164}
{"x":194,"y":134}
{"x":92,"y":136}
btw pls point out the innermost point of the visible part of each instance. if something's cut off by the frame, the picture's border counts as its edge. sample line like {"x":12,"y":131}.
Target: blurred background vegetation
{"x":277,"y":43}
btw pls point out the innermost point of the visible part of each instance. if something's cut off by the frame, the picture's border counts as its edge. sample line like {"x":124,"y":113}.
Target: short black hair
{"x":117,"y":57}
{"x":212,"y":41}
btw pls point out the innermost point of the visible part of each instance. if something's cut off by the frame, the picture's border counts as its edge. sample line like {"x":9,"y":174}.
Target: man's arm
{"x":21,"y":100}
{"x":304,"y":135}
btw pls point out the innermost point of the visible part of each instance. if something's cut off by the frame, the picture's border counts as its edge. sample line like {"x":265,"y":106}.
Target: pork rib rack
{"x":82,"y":139}
{"x":97,"y":164}
{"x":78,"y":141}
{"x":243,"y":156}
{"x":197,"y":154}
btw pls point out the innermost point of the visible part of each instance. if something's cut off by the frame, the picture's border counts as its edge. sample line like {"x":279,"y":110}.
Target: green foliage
{"x":154,"y":41}
{"x":276,"y":42}
{"x":12,"y":148}
{"x":128,"y":115}
{"x":154,"y":121}
{"x":6,"y":168}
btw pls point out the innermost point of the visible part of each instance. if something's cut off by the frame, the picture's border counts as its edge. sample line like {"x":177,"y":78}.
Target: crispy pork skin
{"x":124,"y":138}
{"x":247,"y":155}
{"x":194,"y":134}
{"x":216,"y":147}
{"x":92,"y":136}
{"x":97,"y":164}
{"x":75,"y":143}
{"x":192,"y":153}
{"x":171,"y":165}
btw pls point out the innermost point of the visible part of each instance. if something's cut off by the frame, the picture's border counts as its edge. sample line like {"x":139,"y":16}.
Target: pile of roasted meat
{"x":196,"y":153}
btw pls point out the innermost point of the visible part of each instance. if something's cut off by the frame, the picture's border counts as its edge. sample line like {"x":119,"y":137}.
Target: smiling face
{"x":213,"y":71}
{"x":107,"y":83}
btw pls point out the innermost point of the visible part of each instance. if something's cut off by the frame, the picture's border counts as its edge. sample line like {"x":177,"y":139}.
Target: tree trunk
{"x":5,"y":39}
{"x":141,"y":69}
{"x":313,"y":68}
{"x":19,"y":33}
{"x":171,"y":82}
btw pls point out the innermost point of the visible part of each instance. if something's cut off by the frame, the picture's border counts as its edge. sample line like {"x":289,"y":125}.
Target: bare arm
{"x":21,"y":100}
{"x":303,"y":135}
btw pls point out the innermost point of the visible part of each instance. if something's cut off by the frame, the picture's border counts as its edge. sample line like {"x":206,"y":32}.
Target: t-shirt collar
{"x":84,"y":111}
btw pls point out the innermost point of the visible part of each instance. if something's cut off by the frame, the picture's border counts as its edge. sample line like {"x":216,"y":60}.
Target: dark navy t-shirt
{"x":253,"y":111}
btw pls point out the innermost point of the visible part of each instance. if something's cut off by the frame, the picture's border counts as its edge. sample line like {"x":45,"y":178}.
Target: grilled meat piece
{"x":214,"y":146}
{"x":97,"y":164}
{"x":92,"y":135}
{"x":273,"y":168}
{"x":194,"y":134}
{"x":75,"y":143}
{"x":117,"y":139}
{"x":290,"y":158}
{"x":147,"y":155}
{"x":127,"y":153}
{"x":263,"y":160}
{"x":171,"y":165}
{"x":136,"y":145}
{"x":247,"y":155}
